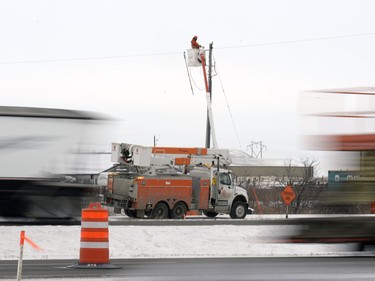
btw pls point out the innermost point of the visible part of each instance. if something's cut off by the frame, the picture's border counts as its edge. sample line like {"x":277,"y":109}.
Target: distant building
{"x":337,"y":178}
{"x":244,"y":165}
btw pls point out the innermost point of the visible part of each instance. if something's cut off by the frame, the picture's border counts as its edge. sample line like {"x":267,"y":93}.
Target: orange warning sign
{"x":288,"y":195}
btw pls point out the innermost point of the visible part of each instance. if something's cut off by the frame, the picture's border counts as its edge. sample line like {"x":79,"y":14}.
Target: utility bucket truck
{"x":166,"y":182}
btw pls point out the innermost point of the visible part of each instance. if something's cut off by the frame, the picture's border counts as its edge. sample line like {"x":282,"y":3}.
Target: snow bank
{"x":63,"y":242}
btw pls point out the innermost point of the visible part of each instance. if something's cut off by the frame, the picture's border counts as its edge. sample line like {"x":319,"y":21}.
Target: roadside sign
{"x":288,"y":195}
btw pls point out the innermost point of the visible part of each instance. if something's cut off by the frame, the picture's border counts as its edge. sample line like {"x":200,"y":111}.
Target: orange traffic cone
{"x":94,"y":250}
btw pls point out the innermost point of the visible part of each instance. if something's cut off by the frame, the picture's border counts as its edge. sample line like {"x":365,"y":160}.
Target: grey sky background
{"x":125,"y":59}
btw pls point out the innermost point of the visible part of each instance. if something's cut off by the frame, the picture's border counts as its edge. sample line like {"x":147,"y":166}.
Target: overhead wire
{"x":298,"y":40}
{"x":188,"y":72}
{"x":195,"y":83}
{"x":178,"y":52}
{"x":92,"y":58}
{"x":227,"y":103}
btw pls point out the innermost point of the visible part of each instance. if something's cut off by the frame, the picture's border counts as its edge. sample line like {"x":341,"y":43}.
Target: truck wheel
{"x":210,"y":214}
{"x":160,"y":211}
{"x":238,"y":210}
{"x":179,"y":211}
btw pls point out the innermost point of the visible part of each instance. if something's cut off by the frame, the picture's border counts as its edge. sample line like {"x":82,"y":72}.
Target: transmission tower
{"x":257,"y":149}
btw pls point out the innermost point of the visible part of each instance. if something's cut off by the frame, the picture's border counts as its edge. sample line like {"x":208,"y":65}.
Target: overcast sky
{"x":125,"y":59}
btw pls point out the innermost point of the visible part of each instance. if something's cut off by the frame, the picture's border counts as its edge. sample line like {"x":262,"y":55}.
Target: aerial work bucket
{"x":193,"y":57}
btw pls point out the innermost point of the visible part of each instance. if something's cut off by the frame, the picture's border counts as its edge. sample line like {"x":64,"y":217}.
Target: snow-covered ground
{"x":63,"y":242}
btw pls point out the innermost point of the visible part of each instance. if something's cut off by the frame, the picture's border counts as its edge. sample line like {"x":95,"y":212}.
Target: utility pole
{"x":208,"y":125}
{"x":155,"y":140}
{"x":257,"y":149}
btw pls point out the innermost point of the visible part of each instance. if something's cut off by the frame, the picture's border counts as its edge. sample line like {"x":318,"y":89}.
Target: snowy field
{"x":63,"y":242}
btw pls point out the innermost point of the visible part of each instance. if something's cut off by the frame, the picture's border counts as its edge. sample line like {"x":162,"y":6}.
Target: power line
{"x":179,"y":53}
{"x":230,"y":112}
{"x":93,"y":58}
{"x":189,"y":76}
{"x":298,"y":40}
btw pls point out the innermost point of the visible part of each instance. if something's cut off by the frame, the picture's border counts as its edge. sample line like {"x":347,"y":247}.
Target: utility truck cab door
{"x":225,"y":188}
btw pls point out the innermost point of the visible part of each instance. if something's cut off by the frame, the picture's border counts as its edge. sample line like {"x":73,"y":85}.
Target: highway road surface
{"x":203,"y":269}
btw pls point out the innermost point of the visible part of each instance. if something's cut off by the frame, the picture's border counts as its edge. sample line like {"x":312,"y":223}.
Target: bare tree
{"x":303,"y":183}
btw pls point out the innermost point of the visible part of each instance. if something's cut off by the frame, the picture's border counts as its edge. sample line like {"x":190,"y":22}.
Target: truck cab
{"x":225,"y":196}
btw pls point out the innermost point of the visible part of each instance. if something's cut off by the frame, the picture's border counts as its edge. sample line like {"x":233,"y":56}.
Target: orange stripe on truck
{"x":179,"y":150}
{"x":182,"y":161}
{"x":193,"y":213}
{"x":165,"y":183}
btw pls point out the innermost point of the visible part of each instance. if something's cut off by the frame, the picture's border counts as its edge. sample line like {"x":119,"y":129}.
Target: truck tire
{"x":238,"y":210}
{"x":160,"y":211}
{"x":179,"y":211}
{"x":210,"y":214}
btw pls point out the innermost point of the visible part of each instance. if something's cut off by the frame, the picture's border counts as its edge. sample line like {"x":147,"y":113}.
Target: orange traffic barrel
{"x":94,"y":247}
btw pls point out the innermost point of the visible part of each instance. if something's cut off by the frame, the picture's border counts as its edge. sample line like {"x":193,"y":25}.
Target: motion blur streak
{"x":342,"y":120}
{"x":38,"y":150}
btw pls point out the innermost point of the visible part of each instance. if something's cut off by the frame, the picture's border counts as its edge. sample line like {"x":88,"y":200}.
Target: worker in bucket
{"x":196,"y":45}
